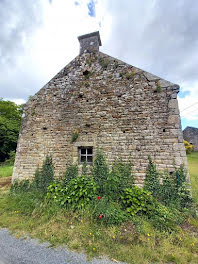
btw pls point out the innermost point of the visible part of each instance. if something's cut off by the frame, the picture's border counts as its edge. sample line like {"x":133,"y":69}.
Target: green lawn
{"x":193,"y":170}
{"x":6,"y":171}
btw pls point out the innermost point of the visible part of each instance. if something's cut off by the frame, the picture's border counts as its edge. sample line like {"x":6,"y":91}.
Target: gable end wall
{"x":126,"y":112}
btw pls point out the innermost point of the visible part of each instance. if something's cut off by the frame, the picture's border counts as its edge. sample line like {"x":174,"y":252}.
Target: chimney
{"x":90,"y":42}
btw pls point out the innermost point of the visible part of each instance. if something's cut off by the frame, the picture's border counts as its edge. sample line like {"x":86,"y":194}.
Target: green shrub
{"x":58,"y":193}
{"x":11,"y":159}
{"x":168,"y":189}
{"x":81,"y":191}
{"x":162,"y":217}
{"x":71,"y":172}
{"x":180,"y":175}
{"x":152,"y":182}
{"x":111,"y":183}
{"x":136,"y":200}
{"x":84,"y":169}
{"x":100,"y":172}
{"x":46,"y":174}
{"x":42,"y":179}
{"x":117,"y":180}
{"x":77,"y":193}
{"x":175,"y":191}
{"x":109,"y":213}
{"x":184,"y":196}
{"x":74,"y":136}
{"x":21,"y":186}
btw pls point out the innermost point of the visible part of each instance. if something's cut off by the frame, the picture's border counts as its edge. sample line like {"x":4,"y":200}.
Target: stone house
{"x":191,"y":135}
{"x":97,"y":101}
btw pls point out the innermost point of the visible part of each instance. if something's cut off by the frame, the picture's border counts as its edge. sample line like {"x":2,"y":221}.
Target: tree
{"x":10,"y":121}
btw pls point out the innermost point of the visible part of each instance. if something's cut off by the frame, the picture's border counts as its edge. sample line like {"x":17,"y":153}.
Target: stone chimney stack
{"x":90,"y":42}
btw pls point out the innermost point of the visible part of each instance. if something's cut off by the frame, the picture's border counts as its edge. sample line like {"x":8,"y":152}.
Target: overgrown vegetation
{"x":130,"y":74}
{"x":103,"y":211}
{"x":104,"y":62}
{"x":159,"y":88}
{"x":42,"y":179}
{"x":74,"y":136}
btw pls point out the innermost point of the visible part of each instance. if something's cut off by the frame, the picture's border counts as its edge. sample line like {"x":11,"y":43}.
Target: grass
{"x":6,"y":171}
{"x":193,"y":170}
{"x":133,"y":242}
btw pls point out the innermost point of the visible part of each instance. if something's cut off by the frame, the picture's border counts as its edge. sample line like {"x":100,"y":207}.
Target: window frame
{"x":86,"y":154}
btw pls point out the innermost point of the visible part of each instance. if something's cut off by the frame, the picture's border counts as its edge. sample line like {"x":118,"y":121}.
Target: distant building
{"x":191,"y":135}
{"x":97,"y":101}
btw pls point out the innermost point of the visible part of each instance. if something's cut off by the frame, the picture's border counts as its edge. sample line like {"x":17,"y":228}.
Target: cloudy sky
{"x":39,"y":37}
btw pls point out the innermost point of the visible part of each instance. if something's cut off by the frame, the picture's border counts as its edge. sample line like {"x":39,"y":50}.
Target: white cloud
{"x":39,"y":38}
{"x":16,"y":101}
{"x":189,"y":104}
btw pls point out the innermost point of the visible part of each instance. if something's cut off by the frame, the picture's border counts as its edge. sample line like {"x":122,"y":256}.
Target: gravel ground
{"x":30,"y":251}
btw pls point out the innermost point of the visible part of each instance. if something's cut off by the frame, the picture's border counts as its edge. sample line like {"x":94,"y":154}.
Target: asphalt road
{"x":30,"y":251}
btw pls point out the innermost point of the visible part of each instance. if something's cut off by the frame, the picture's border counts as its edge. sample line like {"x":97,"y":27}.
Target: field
{"x":6,"y":171}
{"x":193,"y":170}
{"x":136,"y":243}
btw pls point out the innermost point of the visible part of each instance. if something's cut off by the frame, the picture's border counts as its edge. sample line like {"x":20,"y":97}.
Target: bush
{"x":188,"y":147}
{"x":11,"y":159}
{"x":109,"y":213}
{"x":168,"y":189}
{"x":119,"y":177}
{"x":136,"y":200}
{"x":77,"y":193}
{"x":81,"y":191}
{"x":100,"y":172}
{"x":111,"y":183}
{"x":45,"y":176}
{"x":57,"y":192}
{"x":41,"y":181}
{"x":21,"y":186}
{"x":162,"y":217}
{"x":175,"y":191}
{"x":152,"y":182}
{"x":71,"y":172}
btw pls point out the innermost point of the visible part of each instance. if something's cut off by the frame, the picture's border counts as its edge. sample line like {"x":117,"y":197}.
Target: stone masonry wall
{"x":126,"y":112}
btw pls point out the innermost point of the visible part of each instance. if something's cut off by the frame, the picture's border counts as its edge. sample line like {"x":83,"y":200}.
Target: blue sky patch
{"x":76,"y":3}
{"x":91,"y":8}
{"x":183,"y":94}
{"x":50,"y":1}
{"x":185,"y":122}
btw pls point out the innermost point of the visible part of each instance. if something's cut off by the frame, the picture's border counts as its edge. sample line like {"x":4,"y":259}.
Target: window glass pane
{"x":89,"y":158}
{"x":83,"y":159}
{"x":89,"y":151}
{"x":83,"y":151}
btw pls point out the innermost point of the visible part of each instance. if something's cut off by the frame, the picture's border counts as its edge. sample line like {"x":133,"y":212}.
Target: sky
{"x":39,"y":37}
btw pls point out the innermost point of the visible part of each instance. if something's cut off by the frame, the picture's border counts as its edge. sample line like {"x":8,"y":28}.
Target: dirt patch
{"x":5,"y":181}
{"x":190,"y":228}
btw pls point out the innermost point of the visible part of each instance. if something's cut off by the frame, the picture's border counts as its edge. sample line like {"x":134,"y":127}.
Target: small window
{"x":86,"y":154}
